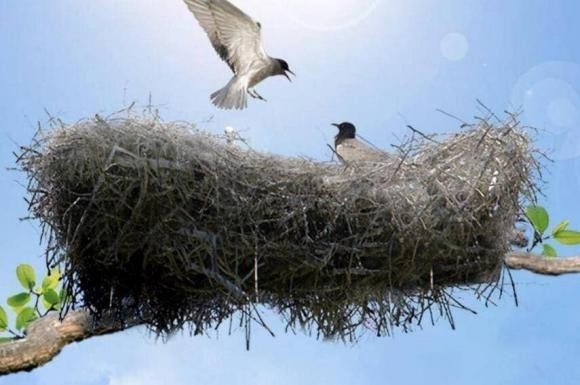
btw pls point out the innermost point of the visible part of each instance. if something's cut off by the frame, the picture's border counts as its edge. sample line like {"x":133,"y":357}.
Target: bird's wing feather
{"x":235,"y":36}
{"x":352,"y":150}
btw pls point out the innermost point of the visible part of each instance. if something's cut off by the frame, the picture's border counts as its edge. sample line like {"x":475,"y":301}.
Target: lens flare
{"x":328,"y":15}
{"x":549,"y":95}
{"x":454,"y":46}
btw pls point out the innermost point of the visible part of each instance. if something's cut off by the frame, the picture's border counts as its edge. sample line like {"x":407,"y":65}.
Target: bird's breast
{"x":260,"y":71}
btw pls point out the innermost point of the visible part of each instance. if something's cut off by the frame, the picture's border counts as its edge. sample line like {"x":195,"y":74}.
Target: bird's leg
{"x":259,"y":96}
{"x":253,"y":93}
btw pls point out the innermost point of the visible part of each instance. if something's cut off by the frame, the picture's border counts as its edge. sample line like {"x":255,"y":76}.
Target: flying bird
{"x":237,"y":38}
{"x":352,"y":150}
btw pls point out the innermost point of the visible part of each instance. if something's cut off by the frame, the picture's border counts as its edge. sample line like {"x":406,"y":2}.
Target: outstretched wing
{"x":234,"y":35}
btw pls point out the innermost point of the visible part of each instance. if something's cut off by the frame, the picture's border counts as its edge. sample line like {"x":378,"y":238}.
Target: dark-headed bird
{"x":238,"y":40}
{"x":351,"y":150}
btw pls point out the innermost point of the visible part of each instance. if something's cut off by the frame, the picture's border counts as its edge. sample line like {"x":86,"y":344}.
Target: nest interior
{"x":163,"y":222}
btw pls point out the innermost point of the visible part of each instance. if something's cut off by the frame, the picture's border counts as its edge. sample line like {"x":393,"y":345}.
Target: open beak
{"x":288,"y":77}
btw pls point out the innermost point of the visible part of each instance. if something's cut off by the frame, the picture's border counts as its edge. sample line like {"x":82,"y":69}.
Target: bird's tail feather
{"x":233,"y":95}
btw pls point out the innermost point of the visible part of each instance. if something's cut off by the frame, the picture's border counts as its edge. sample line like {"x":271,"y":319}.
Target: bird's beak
{"x":335,"y":125}
{"x":288,"y":77}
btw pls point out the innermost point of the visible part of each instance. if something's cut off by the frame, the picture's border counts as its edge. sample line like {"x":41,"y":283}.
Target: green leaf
{"x":26,"y":316}
{"x":18,"y":300}
{"x":539,"y":218}
{"x":6,"y":339}
{"x":3,"y":319}
{"x":561,"y":227}
{"x":51,"y":281}
{"x":51,"y":297}
{"x":46,"y":305}
{"x":26,"y":276}
{"x":549,"y":251}
{"x":568,"y":237}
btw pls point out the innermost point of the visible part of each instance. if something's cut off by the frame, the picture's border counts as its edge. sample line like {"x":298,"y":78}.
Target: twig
{"x":427,"y":137}
{"x":464,"y":123}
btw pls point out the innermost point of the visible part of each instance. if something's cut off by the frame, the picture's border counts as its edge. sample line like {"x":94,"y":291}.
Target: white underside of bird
{"x":234,"y":94}
{"x":237,"y":39}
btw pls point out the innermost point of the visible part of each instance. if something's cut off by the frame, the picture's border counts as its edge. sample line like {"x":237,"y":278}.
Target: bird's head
{"x":284,"y":69}
{"x":346,"y":130}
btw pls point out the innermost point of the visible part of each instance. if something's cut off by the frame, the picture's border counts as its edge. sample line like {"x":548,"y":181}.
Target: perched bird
{"x":238,"y":40}
{"x":351,"y":150}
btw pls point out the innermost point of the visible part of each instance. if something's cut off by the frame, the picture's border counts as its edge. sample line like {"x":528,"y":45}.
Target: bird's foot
{"x":260,"y":96}
{"x":256,"y":95}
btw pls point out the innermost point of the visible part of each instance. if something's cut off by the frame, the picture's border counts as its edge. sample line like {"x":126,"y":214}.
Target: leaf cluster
{"x":539,"y":219}
{"x":34,"y":301}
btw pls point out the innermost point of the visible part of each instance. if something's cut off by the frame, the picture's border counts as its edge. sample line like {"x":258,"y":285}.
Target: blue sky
{"x":378,"y":63}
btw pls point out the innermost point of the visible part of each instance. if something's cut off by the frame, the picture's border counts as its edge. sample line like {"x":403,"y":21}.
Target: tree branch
{"x":46,"y":337}
{"x":540,"y":265}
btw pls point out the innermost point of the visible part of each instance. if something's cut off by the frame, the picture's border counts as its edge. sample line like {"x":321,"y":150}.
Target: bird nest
{"x":168,"y":224}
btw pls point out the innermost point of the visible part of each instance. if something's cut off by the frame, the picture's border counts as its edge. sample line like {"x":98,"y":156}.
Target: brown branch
{"x":46,"y":337}
{"x":542,"y":265}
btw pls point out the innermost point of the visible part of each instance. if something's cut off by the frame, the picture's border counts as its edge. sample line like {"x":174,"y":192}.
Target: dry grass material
{"x":161,"y":221}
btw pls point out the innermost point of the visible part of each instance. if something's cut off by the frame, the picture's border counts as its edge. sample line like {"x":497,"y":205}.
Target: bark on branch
{"x":543,"y":266}
{"x":47,"y":336}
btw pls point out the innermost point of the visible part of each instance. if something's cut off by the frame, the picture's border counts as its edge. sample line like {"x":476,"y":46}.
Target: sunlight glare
{"x":328,"y":15}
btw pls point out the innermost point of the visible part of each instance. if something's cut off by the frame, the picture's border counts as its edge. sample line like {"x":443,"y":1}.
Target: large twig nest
{"x":162,"y":221}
